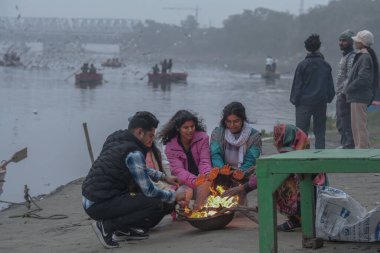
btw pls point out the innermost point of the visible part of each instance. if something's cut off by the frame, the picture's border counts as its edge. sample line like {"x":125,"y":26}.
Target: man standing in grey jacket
{"x":343,"y":110}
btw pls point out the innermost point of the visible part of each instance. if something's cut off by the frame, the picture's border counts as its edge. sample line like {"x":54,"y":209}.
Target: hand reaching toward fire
{"x":180,"y":197}
{"x":172,"y":180}
{"x":233,"y":191}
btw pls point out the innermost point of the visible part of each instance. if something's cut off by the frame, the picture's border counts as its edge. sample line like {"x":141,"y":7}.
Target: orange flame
{"x":215,"y":201}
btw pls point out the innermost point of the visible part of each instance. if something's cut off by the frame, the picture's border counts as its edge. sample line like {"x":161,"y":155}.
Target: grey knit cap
{"x":346,"y":35}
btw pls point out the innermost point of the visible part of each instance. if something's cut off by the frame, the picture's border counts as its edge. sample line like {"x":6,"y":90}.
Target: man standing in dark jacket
{"x":312,"y":89}
{"x":118,"y":192}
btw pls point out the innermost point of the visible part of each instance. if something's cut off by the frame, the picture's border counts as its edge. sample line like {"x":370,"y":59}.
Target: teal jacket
{"x":218,"y":144}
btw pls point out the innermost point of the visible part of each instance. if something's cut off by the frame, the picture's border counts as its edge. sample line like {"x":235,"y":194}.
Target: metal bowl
{"x":217,"y":221}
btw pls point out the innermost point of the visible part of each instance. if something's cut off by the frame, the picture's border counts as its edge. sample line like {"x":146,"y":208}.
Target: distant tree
{"x":253,"y":34}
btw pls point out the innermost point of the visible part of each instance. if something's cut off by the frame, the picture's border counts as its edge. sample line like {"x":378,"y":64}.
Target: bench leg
{"x":267,"y":216}
{"x":307,"y":210}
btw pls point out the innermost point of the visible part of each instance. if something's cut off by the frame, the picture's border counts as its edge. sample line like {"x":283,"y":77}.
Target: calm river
{"x":42,"y":111}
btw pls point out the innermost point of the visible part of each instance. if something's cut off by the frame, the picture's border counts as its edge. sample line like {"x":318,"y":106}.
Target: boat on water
{"x":88,"y":78}
{"x":112,"y":64}
{"x":269,"y":75}
{"x":168,"y":77}
{"x":11,"y":60}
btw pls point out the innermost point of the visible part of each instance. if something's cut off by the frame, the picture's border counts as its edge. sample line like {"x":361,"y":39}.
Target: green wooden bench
{"x":273,"y":170}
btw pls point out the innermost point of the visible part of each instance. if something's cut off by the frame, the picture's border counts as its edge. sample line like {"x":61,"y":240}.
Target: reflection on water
{"x":88,"y":85}
{"x":42,"y":111}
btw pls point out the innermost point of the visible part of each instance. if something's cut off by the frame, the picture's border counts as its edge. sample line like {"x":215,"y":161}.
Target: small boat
{"x":88,"y":78}
{"x":11,"y":60}
{"x":167,"y":77}
{"x":112,"y":64}
{"x":270,"y":75}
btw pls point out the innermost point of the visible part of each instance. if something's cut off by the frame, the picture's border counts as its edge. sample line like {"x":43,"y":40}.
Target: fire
{"x":213,"y":202}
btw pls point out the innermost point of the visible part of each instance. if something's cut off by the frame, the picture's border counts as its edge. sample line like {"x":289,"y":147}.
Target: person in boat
{"x":170,"y":65}
{"x":164,"y":66}
{"x":268,"y":64}
{"x":156,"y":69}
{"x":286,"y":138}
{"x":188,"y":152}
{"x":85,"y":68}
{"x":14,"y":56}
{"x":92,"y":69}
{"x":6,"y":57}
{"x":118,"y":192}
{"x":274,"y":66}
{"x":312,"y":89}
{"x":235,"y":142}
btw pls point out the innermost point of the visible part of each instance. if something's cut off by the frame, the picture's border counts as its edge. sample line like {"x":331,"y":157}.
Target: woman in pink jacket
{"x":188,"y":152}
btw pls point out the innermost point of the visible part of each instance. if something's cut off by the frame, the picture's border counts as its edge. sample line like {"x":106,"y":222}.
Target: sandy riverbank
{"x":74,"y":233}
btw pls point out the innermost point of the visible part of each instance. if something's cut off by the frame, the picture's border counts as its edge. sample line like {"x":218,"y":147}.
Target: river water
{"x":42,"y":111}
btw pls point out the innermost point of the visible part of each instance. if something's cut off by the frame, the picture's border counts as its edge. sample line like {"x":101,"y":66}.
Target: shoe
{"x":130,"y":234}
{"x":104,"y":238}
{"x":289,"y":225}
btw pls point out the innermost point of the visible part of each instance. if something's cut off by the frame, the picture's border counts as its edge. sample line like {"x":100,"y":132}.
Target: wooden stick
{"x":67,"y":78}
{"x":88,"y":142}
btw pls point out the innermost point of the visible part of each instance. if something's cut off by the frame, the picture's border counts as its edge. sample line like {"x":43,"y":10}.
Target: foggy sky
{"x":211,"y":12}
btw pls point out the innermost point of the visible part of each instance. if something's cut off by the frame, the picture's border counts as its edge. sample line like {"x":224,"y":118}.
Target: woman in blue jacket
{"x":235,"y":142}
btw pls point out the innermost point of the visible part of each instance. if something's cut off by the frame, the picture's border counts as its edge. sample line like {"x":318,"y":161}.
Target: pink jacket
{"x":200,"y":150}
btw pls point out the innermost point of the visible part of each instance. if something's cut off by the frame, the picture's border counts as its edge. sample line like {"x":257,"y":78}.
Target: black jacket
{"x":109,"y":177}
{"x":313,"y":83}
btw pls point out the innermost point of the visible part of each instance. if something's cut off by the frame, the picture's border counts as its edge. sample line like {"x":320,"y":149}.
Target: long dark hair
{"x":170,"y":129}
{"x":157,"y":154}
{"x":233,"y":108}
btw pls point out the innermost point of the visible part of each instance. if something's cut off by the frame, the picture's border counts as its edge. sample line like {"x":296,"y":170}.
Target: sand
{"x":74,"y":234}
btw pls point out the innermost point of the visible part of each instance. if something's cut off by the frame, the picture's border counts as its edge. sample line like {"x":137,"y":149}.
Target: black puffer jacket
{"x":109,"y":176}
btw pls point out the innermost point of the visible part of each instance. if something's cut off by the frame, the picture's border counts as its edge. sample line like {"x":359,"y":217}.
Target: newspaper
{"x":339,"y":217}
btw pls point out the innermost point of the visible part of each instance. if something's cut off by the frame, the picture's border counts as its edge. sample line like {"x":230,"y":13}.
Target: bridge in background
{"x":52,"y":30}
{"x":64,"y":34}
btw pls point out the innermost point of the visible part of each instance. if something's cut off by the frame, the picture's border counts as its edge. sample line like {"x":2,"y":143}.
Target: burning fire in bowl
{"x":217,"y":211}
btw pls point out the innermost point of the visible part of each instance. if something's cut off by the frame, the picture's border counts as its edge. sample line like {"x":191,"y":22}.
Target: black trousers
{"x":343,"y":122}
{"x":318,"y":112}
{"x":129,"y":210}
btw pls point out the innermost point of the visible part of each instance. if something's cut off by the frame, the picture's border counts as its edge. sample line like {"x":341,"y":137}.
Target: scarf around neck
{"x":240,"y":143}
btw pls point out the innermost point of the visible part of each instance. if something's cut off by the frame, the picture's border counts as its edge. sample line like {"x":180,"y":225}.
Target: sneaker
{"x":104,"y":238}
{"x":129,"y":235}
{"x":289,"y":226}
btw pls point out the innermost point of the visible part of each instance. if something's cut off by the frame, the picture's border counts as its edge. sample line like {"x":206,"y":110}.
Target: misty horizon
{"x":163,"y":11}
